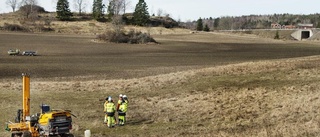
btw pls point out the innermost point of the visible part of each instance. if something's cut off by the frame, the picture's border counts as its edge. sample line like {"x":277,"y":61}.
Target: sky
{"x":193,"y":9}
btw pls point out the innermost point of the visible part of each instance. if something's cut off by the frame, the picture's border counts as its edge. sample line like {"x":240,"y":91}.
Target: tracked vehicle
{"x":47,"y":123}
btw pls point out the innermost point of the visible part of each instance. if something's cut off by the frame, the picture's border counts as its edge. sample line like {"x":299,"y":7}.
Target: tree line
{"x":251,"y":22}
{"x":113,"y":10}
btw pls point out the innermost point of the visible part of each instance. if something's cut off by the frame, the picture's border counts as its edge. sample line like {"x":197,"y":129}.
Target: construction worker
{"x":119,"y":101}
{"x":122,"y":110}
{"x":118,"y":105}
{"x":104,"y":106}
{"x":125,"y":98}
{"x":109,"y":109}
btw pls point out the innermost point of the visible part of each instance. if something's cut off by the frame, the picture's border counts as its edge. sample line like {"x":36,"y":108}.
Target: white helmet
{"x":120,"y":96}
{"x":109,"y":99}
{"x":124,"y":96}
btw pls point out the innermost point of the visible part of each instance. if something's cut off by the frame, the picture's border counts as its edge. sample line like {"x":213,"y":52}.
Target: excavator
{"x":47,"y":123}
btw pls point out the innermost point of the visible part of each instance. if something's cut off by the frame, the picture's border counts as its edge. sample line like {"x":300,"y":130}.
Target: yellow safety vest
{"x":105,"y":106}
{"x":110,"y":108}
{"x":124,"y":106}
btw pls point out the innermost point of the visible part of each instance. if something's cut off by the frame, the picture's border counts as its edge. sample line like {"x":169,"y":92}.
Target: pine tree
{"x":216,"y":23}
{"x":199,"y":25}
{"x":110,"y":9}
{"x":63,"y":10}
{"x":206,"y":28}
{"x":97,"y":9}
{"x":141,"y":14}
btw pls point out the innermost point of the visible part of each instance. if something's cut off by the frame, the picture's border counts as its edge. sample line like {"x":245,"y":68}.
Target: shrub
{"x":34,"y":8}
{"x":13,"y":27}
{"x":166,"y":22}
{"x":277,"y":36}
{"x":131,"y":37}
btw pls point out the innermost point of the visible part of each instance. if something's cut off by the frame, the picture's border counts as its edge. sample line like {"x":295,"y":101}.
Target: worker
{"x":125,"y":98}
{"x":119,"y":101}
{"x":105,"y":105}
{"x":123,"y":110}
{"x":110,"y":110}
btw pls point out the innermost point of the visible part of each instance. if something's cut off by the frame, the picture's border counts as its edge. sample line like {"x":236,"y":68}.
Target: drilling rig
{"x":47,"y":123}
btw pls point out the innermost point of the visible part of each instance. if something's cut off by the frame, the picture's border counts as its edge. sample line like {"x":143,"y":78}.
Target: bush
{"x":35,"y":8}
{"x":132,"y":37}
{"x":13,"y":27}
{"x":277,"y":36}
{"x":166,"y":22}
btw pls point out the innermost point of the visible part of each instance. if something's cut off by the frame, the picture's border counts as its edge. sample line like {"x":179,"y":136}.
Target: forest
{"x":254,"y":21}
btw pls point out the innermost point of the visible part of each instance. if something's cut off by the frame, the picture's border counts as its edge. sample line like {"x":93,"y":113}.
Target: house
{"x":305,"y":26}
{"x":276,"y":26}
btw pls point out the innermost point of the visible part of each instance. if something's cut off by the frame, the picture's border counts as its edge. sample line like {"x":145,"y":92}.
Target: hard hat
{"x":109,"y":99}
{"x":120,"y":96}
{"x":124,"y":96}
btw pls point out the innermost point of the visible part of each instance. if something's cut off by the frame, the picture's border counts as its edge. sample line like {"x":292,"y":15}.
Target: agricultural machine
{"x":17,"y":52}
{"x":14,"y":52}
{"x":45,"y":124}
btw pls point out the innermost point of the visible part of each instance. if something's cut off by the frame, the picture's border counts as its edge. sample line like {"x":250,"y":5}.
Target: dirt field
{"x":78,"y":56}
{"x":189,"y":85}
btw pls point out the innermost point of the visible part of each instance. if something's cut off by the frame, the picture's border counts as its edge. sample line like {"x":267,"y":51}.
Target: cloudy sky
{"x":193,"y":9}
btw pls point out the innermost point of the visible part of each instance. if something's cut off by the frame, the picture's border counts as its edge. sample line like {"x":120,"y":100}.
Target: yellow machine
{"x":47,"y":123}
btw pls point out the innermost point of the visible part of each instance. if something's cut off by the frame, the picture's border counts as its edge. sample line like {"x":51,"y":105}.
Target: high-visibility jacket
{"x":123,"y":106}
{"x":105,"y":106}
{"x":110,"y":108}
{"x":119,"y":103}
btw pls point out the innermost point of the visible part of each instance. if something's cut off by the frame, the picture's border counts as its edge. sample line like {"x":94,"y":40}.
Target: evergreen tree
{"x":318,"y":26}
{"x":206,"y":28}
{"x":63,"y":10}
{"x":199,"y":25}
{"x":110,"y":10}
{"x":141,"y":14}
{"x":216,"y":23}
{"x":97,"y":9}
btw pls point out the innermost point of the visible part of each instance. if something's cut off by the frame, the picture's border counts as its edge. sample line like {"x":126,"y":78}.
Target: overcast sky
{"x":193,"y":9}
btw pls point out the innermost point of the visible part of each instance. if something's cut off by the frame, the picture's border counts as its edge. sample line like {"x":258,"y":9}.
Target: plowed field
{"x":189,"y":85}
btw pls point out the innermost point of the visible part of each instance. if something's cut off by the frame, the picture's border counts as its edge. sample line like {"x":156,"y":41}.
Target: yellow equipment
{"x":47,"y":123}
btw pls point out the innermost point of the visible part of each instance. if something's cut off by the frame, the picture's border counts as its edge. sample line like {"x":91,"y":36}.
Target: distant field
{"x":189,"y":85}
{"x":78,"y":56}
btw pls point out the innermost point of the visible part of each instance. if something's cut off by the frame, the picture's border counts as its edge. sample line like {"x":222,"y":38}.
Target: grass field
{"x":189,"y":85}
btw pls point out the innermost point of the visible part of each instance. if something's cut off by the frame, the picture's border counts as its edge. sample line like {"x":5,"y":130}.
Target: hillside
{"x":46,"y":22}
{"x":84,"y":25}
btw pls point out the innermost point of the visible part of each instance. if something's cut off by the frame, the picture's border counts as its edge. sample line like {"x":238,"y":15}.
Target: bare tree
{"x":29,"y":3}
{"x":80,"y":5}
{"x":117,"y":24}
{"x":13,"y":4}
{"x":27,"y":8}
{"x":126,"y":5}
{"x":118,"y":7}
{"x":159,"y":12}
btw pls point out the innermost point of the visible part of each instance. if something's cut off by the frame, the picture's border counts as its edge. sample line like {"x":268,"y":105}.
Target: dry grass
{"x":265,"y":98}
{"x":90,"y":27}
